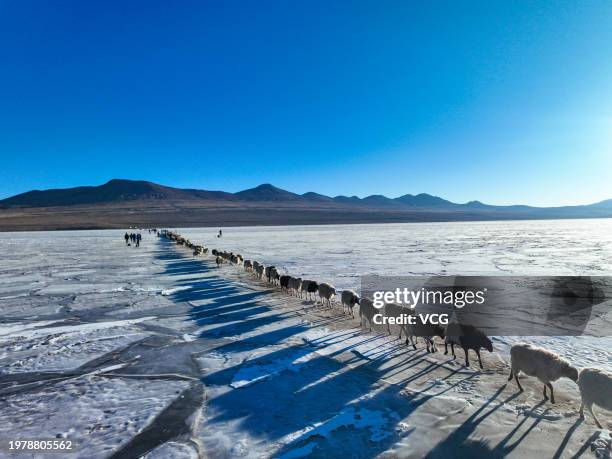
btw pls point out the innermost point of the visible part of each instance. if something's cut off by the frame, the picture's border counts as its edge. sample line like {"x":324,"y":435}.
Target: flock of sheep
{"x":595,"y":385}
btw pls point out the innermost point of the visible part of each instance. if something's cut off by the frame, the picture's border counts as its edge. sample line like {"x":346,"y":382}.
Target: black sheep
{"x":426,"y":331}
{"x":468,"y":337}
{"x":313,"y":287}
{"x":284,"y":282}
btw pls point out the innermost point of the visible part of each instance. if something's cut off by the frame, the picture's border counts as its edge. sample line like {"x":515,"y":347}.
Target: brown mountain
{"x":115,"y":190}
{"x":121,"y":203}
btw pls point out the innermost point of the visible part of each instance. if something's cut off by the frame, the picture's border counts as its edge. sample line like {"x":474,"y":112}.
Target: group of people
{"x":132,"y":238}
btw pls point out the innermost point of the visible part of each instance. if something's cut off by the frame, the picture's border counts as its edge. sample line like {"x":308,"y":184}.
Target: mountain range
{"x":147,"y":203}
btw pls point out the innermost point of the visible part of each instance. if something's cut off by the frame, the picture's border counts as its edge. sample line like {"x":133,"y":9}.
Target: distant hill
{"x":113,"y":191}
{"x":426,"y":200}
{"x":267,"y":192}
{"x":152,"y":204}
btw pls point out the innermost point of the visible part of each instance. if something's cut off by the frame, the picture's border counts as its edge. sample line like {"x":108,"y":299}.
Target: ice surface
{"x":173,"y":450}
{"x":42,"y":347}
{"x":343,"y":253}
{"x":374,"y":421}
{"x":602,"y":445}
{"x":251,"y":373}
{"x":98,"y":414}
{"x":162,"y":353}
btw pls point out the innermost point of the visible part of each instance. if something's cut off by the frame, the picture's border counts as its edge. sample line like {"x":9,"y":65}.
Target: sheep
{"x":349,"y":300}
{"x":218,"y":260}
{"x":255,"y":266}
{"x":468,"y":337}
{"x":326,"y":293}
{"x":215,"y":252}
{"x":304,"y":287}
{"x":367,"y":311}
{"x":313,"y":288}
{"x":544,"y":365}
{"x":295,"y":283}
{"x":199,"y":250}
{"x":395,"y":310}
{"x":260,"y":271}
{"x":274,"y":276}
{"x":284,"y":282}
{"x":595,"y":388}
{"x":426,"y":331}
{"x":309,"y":287}
{"x":268,"y":273}
{"x":248,"y":265}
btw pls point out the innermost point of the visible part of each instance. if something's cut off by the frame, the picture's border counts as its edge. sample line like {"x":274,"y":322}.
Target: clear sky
{"x":501,"y":101}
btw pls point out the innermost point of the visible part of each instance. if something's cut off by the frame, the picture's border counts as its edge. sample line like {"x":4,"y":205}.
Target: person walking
{"x":138,"y":238}
{"x":127,"y":238}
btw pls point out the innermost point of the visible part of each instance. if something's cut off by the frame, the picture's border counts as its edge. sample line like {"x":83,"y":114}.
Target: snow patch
{"x":251,"y":374}
{"x":13,"y":329}
{"x":172,"y":291}
{"x":359,"y":418}
{"x":29,"y":332}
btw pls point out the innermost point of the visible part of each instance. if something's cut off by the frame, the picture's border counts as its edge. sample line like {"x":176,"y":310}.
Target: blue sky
{"x":505,"y":102}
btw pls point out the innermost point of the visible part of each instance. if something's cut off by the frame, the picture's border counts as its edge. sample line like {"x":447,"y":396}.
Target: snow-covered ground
{"x":149,"y":351}
{"x":343,"y":253}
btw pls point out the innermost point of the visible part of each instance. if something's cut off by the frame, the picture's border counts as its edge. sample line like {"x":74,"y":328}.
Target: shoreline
{"x":96,"y":218}
{"x":293,"y":224}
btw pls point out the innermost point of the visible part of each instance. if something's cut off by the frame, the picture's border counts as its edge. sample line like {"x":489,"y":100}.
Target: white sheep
{"x":349,"y":299}
{"x":595,"y":388}
{"x":544,"y":365}
{"x":326,"y":292}
{"x":248,"y":265}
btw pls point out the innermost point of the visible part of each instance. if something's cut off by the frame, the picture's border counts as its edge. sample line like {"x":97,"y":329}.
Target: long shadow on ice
{"x":287,"y":392}
{"x":567,"y":438}
{"x":460,"y":444}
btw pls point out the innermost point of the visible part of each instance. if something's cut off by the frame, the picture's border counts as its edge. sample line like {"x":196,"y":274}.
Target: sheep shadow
{"x":459,"y":443}
{"x":567,"y":437}
{"x":333,"y":397}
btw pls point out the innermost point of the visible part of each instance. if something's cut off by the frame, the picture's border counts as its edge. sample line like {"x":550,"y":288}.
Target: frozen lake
{"x":342,"y":253}
{"x":117,"y":347}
